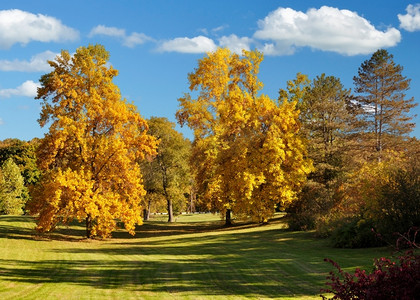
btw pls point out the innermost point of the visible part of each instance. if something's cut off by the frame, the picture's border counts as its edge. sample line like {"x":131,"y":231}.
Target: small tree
{"x":11,"y":187}
{"x":168,"y":174}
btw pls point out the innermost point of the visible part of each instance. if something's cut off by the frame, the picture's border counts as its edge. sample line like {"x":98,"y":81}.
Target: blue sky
{"x":155,"y":44}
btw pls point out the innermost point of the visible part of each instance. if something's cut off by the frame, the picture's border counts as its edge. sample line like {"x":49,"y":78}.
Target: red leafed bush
{"x":388,"y":280}
{"x":398,"y":280}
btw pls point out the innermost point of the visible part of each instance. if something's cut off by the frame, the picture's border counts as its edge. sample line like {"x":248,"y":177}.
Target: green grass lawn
{"x":194,"y":258}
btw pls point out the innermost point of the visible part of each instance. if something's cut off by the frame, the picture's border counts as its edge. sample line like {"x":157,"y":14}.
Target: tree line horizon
{"x":332,"y":159}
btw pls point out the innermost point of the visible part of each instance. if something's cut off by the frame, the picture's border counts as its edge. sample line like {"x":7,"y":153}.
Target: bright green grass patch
{"x":194,"y":258}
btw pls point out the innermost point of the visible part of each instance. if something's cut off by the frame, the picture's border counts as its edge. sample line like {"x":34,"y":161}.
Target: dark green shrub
{"x":356,"y":233}
{"x":399,"y":204}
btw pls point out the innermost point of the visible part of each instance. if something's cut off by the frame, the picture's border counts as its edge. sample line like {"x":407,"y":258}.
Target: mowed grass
{"x":194,"y":258}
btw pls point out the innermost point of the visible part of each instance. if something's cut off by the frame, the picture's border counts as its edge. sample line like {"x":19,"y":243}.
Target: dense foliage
{"x":88,"y":157}
{"x":247,"y":155}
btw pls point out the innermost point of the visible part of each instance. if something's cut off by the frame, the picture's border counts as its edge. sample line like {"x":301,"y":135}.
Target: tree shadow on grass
{"x":241,"y":264}
{"x":204,"y":259}
{"x":246,"y":260}
{"x":23,"y":228}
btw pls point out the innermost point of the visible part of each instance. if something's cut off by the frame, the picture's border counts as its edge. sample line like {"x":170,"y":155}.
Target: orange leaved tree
{"x":88,"y":159}
{"x":247,"y":155}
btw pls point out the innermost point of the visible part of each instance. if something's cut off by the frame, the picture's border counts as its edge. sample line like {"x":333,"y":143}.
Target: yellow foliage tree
{"x":247,"y":155}
{"x":88,"y":157}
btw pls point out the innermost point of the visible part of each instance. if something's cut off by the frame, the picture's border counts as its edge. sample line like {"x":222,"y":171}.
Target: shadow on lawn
{"x":228,"y":264}
{"x":246,"y":260}
{"x":23,"y":228}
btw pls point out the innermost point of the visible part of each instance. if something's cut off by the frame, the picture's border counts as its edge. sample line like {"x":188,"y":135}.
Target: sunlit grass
{"x":193,"y":258}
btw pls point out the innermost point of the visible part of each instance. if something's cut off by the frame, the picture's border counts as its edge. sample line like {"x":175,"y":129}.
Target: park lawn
{"x":194,"y":258}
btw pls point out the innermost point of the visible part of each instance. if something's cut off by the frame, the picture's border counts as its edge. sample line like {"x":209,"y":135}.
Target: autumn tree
{"x":11,"y":188}
{"x":247,"y":155}
{"x":88,"y":157}
{"x":383,"y":112}
{"x":168,"y":174}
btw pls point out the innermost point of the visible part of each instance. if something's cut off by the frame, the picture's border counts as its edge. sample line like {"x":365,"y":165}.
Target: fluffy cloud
{"x":17,"y":26}
{"x":411,"y":20}
{"x":128,"y":40}
{"x":37,"y":63}
{"x":26,"y":89}
{"x":199,"y":44}
{"x":235,"y":43}
{"x":327,"y":29}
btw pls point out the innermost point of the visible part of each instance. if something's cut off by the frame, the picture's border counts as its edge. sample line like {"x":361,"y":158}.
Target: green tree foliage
{"x":89,"y":156}
{"x":325,"y":118}
{"x":24,"y":155}
{"x":383,"y":114}
{"x":168,"y":174}
{"x":11,"y":188}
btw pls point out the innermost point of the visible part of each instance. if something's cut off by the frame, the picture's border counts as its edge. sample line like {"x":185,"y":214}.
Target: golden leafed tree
{"x":247,"y":155}
{"x":88,"y":159}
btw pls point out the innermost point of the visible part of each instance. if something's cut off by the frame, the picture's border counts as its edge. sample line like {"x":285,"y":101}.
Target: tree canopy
{"x":88,"y":159}
{"x":247,"y":155}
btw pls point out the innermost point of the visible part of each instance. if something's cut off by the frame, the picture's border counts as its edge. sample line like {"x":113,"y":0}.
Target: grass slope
{"x":194,"y":258}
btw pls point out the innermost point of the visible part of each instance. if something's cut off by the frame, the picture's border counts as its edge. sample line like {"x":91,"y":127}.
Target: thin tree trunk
{"x":170,"y":211}
{"x":88,"y":226}
{"x":146,"y":212}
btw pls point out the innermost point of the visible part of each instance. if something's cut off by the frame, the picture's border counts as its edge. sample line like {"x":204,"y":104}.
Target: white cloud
{"x":109,"y":31}
{"x":219,"y":28}
{"x":327,"y":29}
{"x":17,"y":26}
{"x":235,"y":43}
{"x":127,"y":40}
{"x":1,"y":122}
{"x":136,"y":39}
{"x":199,"y":44}
{"x":26,"y":89}
{"x":411,"y":20}
{"x":37,"y":63}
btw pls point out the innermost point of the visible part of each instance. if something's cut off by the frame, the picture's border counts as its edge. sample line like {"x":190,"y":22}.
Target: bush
{"x":313,"y":201}
{"x":302,"y":221}
{"x":389,"y":280}
{"x":398,"y":208}
{"x":356,"y":233}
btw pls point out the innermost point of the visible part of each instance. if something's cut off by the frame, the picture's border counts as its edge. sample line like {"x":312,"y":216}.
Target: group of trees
{"x":320,"y":152}
{"x":366,"y":172}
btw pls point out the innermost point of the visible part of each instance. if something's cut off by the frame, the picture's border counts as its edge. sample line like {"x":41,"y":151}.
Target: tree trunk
{"x":170,"y":211}
{"x":89,"y":226}
{"x":146,"y":212}
{"x":228,"y":218}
